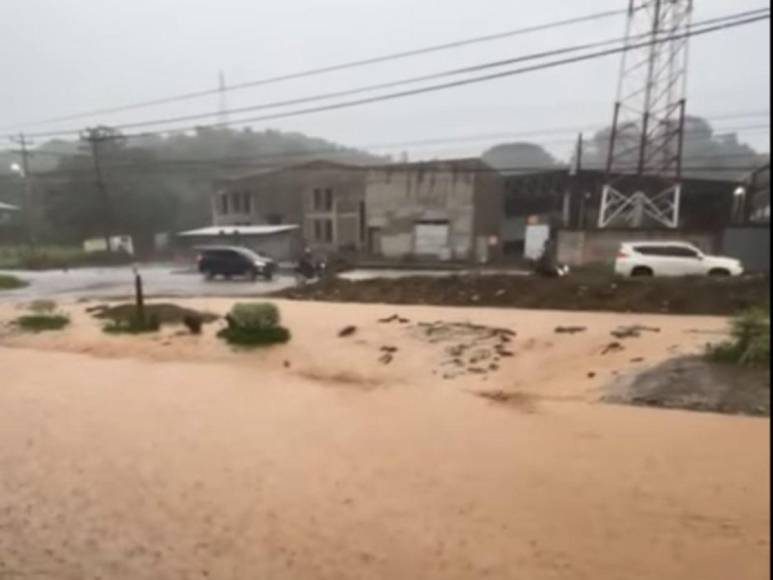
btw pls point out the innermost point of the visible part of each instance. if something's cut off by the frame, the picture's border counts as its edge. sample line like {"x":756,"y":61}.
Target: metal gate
{"x":431,"y":239}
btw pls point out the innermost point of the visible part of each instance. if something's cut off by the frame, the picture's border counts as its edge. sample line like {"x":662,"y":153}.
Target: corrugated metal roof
{"x":216,"y":231}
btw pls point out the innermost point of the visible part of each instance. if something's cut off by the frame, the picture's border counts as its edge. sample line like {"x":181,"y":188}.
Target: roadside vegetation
{"x":128,"y":319}
{"x":133,"y":325}
{"x":57,"y":257}
{"x":254,"y":324}
{"x":44,"y":317}
{"x":8,"y":282}
{"x":749,"y":344}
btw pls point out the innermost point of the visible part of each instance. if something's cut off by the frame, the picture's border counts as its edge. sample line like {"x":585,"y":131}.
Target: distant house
{"x":325,"y":199}
{"x":7,"y":213}
{"x":434,"y":210}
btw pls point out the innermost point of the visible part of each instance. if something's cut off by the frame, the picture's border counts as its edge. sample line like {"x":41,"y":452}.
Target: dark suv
{"x":228,"y":261}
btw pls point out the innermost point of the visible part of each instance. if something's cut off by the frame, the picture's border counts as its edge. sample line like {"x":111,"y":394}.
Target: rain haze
{"x":385,"y":290}
{"x":65,"y":57}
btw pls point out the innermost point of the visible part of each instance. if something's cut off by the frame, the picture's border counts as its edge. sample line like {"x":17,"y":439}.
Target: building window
{"x":236,"y":202}
{"x":224,"y":204}
{"x":247,"y":203}
{"x":323,"y":230}
{"x":323,"y":200}
{"x":274,"y":219}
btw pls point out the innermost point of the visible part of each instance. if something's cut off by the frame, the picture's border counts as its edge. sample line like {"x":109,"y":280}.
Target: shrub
{"x":255,"y":324}
{"x":255,"y":337}
{"x":11,"y":282}
{"x":42,"y":322}
{"x":261,"y":315}
{"x":750,"y":340}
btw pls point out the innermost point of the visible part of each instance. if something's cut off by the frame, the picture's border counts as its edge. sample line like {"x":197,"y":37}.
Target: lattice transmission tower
{"x":644,"y":159}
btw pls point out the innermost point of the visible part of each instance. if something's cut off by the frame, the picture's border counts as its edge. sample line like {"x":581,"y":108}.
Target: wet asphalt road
{"x":164,"y":280}
{"x":116,"y":282}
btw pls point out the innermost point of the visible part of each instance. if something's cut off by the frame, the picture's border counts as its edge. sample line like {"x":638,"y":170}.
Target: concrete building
{"x":436,"y":210}
{"x":325,"y":199}
{"x":569,"y":205}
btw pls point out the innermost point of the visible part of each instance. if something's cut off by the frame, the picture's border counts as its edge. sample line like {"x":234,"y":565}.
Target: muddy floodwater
{"x":175,"y":457}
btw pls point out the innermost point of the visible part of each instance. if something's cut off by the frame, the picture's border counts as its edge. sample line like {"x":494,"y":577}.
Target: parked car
{"x":671,"y":259}
{"x":229,"y":261}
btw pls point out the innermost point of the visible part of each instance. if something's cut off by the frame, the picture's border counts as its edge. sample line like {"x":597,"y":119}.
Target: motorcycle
{"x":309,"y":270}
{"x":547,"y":266}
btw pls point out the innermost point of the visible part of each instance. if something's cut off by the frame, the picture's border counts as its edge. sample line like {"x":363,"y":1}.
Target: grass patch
{"x":749,"y":344}
{"x":8,"y":282}
{"x":134,"y":325}
{"x":254,"y":324}
{"x":42,"y":306}
{"x":42,"y":322}
{"x":166,"y":313}
{"x":56,"y":257}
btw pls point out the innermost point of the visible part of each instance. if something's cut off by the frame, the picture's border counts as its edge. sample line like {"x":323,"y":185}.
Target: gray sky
{"x":67,"y":56}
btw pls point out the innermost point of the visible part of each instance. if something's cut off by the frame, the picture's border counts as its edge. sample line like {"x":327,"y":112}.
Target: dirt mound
{"x":166,"y":313}
{"x":707,"y":296}
{"x":694,"y":384}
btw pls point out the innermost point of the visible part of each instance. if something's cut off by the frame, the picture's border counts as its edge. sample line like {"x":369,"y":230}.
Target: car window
{"x":680,"y":252}
{"x":667,"y":251}
{"x":650,"y":250}
{"x":249,"y":255}
{"x":221,"y":254}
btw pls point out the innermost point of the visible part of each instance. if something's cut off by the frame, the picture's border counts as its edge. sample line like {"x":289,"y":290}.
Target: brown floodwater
{"x":141,"y":458}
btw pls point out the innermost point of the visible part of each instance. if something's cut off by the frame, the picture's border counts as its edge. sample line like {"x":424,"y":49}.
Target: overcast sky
{"x":67,"y":56}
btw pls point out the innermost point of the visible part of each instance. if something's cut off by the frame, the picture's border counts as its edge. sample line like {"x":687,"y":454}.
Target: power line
{"x":731,"y":22}
{"x":333,"y":68}
{"x":284,"y":157}
{"x":704,"y":27}
{"x":415,"y":79}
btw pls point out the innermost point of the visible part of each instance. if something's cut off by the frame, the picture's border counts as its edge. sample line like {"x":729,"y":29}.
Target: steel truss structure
{"x":647,"y":134}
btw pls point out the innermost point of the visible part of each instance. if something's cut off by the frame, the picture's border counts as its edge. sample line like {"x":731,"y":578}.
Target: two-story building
{"x":325,"y":199}
{"x":434,"y":210}
{"x":447,"y":210}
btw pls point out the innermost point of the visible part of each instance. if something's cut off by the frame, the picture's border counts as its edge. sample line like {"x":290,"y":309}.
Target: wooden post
{"x":139,"y":298}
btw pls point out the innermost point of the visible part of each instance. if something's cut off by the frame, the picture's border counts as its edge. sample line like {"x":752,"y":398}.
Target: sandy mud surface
{"x":431,"y":443}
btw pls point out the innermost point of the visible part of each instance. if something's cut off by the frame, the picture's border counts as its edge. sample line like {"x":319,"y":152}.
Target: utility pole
{"x":95,"y":137}
{"x":25,"y":155}
{"x":223,"y":102}
{"x":572,"y":191}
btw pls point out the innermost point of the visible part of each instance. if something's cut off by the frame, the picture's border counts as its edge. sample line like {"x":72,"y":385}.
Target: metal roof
{"x":216,"y":231}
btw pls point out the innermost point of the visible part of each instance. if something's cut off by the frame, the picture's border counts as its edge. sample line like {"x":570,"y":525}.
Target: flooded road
{"x":159,"y":280}
{"x":287,"y":464}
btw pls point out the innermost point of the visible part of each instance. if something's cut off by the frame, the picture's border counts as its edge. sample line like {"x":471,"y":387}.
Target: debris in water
{"x":570,"y":329}
{"x":347,"y":331}
{"x":612,"y":347}
{"x":632,"y":331}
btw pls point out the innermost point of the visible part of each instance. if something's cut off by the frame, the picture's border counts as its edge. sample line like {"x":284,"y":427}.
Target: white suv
{"x":671,"y":259}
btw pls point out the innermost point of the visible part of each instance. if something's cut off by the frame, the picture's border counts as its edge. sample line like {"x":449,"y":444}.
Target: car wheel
{"x":253,"y":274}
{"x":719,"y":273}
{"x":208,"y":275}
{"x":642,"y":272}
